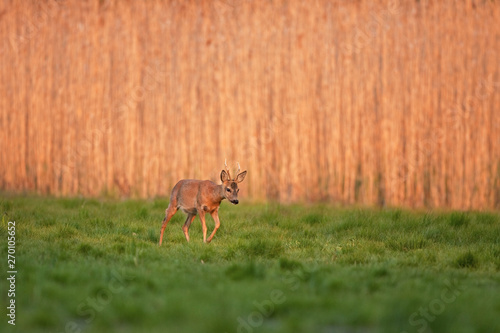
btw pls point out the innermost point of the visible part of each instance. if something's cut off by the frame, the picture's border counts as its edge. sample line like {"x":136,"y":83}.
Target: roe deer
{"x":201,"y":197}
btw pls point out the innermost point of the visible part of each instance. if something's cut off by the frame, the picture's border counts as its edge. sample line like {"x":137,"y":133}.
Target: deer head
{"x":229,"y":185}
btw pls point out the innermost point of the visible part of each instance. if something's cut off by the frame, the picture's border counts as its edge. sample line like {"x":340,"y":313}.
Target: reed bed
{"x":367,"y":102}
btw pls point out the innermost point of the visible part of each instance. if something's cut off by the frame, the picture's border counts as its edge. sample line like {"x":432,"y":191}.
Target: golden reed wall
{"x":368,"y":102}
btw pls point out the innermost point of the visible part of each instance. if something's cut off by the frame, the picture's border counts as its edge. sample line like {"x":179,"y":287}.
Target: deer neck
{"x":221,"y":192}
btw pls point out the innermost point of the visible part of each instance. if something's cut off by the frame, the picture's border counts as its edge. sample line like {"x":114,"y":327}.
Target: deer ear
{"x":240,"y":177}
{"x":224,"y":176}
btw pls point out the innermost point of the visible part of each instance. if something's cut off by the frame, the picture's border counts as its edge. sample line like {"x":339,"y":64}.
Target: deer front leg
{"x":187,"y":224}
{"x":215,"y":216}
{"x":203,"y":225}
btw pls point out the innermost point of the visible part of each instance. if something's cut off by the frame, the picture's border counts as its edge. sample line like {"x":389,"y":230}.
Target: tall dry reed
{"x":368,"y":102}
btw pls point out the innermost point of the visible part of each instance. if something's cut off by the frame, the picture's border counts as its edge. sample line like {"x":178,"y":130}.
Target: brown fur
{"x":200,"y":197}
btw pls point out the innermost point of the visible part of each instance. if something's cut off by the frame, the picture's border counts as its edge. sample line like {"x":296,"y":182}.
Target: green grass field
{"x":95,"y":266}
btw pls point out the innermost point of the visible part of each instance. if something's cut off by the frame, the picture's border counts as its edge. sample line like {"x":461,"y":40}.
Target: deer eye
{"x":228,"y":190}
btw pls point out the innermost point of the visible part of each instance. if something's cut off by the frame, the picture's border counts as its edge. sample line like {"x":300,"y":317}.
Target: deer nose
{"x":235,"y":202}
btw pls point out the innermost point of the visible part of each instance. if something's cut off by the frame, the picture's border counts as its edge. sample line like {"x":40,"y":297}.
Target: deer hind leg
{"x":215,"y":216}
{"x":169,"y":212}
{"x":187,"y":224}
{"x":203,"y":225}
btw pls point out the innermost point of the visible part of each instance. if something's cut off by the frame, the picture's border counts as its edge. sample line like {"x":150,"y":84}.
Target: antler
{"x":237,"y":172}
{"x":227,"y":169}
